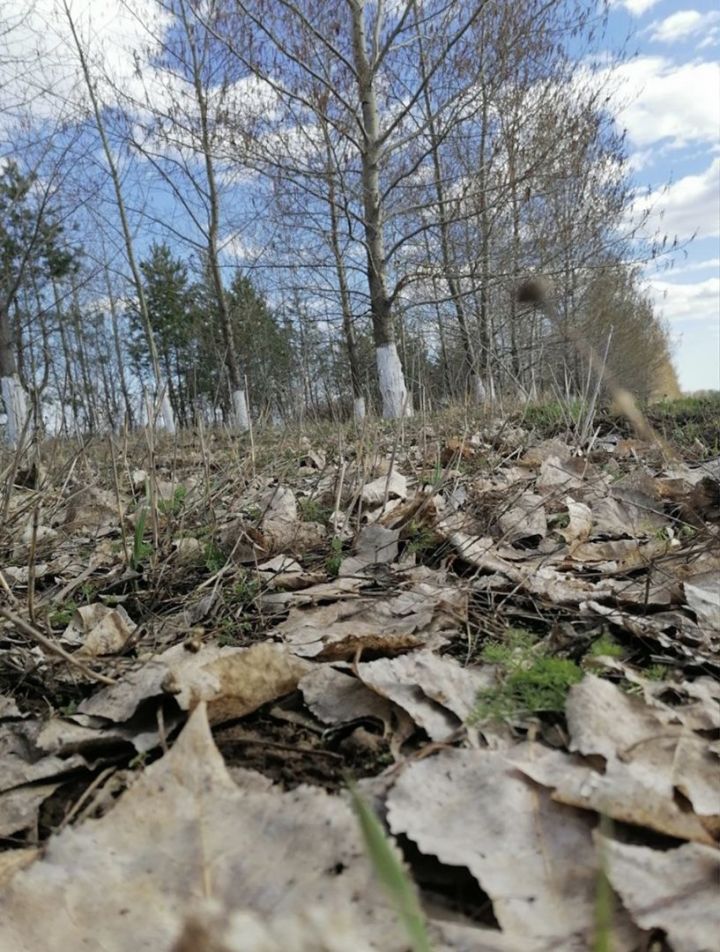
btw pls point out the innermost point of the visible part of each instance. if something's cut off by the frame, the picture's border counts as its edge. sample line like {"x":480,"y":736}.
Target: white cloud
{"x":658,"y":99}
{"x":683,"y":302}
{"x":690,"y":206}
{"x":38,"y":60}
{"x":684,"y":24}
{"x":707,"y":264}
{"x":636,"y":7}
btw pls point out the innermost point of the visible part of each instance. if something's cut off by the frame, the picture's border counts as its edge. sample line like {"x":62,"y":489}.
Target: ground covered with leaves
{"x":498,"y":636}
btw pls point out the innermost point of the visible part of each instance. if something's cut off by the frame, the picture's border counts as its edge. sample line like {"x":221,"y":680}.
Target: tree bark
{"x":165,"y":410}
{"x":391,"y":379}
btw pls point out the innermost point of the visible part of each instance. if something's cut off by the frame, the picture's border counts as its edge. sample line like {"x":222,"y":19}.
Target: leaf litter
{"x":362,"y":606}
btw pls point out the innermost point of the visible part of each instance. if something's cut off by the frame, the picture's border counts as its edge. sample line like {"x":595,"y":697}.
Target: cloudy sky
{"x":669,"y":104}
{"x":672,"y":117}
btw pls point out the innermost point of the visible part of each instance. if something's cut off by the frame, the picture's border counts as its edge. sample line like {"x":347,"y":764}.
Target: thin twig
{"x":27,"y":629}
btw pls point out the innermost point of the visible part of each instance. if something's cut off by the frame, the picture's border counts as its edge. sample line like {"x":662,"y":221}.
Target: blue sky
{"x":673,"y":126}
{"x":669,"y":104}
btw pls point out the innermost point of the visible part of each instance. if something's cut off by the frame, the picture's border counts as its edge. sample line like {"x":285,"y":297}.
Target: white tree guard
{"x":359,"y":408}
{"x":241,"y":419}
{"x":395,"y":400}
{"x":15,"y":400}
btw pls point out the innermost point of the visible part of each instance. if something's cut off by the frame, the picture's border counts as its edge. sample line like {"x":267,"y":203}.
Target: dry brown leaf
{"x":99,"y":630}
{"x":525,"y":519}
{"x":373,"y":493}
{"x":235,"y":682}
{"x":564,"y":473}
{"x":335,"y":697}
{"x":437,"y":692}
{"x":339,"y":589}
{"x":534,"y":858}
{"x":388,"y":625}
{"x":618,"y":792}
{"x":615,"y":518}
{"x":673,"y":890}
{"x":642,"y":750}
{"x":580,"y":521}
{"x":702,"y":593}
{"x":19,"y":807}
{"x":375,"y":545}
{"x":184,"y":830}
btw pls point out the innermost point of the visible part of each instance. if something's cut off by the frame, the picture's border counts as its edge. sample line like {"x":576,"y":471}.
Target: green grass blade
{"x":391,"y":874}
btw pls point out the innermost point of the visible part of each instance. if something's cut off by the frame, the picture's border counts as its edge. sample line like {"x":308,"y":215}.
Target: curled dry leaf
{"x":674,"y":890}
{"x":702,"y":593}
{"x":533,"y":857}
{"x":579,"y":521}
{"x":646,"y":758}
{"x":373,"y":493}
{"x":408,"y":620}
{"x":335,"y":697}
{"x":99,"y":630}
{"x":235,"y":682}
{"x":437,"y":692}
{"x":167,"y":841}
{"x":525,"y":519}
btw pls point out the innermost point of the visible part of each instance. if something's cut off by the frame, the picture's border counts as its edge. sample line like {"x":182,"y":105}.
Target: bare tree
{"x":164,"y":407}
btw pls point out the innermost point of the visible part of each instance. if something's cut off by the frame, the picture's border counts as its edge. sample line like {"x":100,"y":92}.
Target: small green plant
{"x":606,"y":647}
{"x":555,"y":415}
{"x":141,"y":550}
{"x":530,"y":680}
{"x":310,"y":510}
{"x":244,"y":591}
{"x":231,"y":632}
{"x":334,"y":558}
{"x":170,"y":507}
{"x":420,"y":539}
{"x":88,"y":592}
{"x":604,"y":897}
{"x":62,"y":616}
{"x":214,"y":558}
{"x":393,"y":877}
{"x":67,"y":710}
{"x":138,"y":760}
{"x":656,"y":672}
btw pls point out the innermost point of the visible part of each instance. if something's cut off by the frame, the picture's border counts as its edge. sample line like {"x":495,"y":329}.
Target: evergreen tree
{"x":171,"y":309}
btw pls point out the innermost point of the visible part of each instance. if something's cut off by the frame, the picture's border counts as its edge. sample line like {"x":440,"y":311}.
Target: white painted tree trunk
{"x":166,"y":417}
{"x":480,"y":390}
{"x":15,"y":400}
{"x":395,"y":400}
{"x":359,"y":408}
{"x":241,"y":419}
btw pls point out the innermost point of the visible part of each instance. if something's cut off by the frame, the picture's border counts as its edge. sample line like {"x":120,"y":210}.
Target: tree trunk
{"x":165,"y":410}
{"x":13,"y":394}
{"x":470,"y":374}
{"x":391,"y":379}
{"x":347,"y":317}
{"x":129,"y":415}
{"x":238,"y":402}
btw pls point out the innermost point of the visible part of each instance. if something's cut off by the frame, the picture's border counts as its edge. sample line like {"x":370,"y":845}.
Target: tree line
{"x":290,"y":206}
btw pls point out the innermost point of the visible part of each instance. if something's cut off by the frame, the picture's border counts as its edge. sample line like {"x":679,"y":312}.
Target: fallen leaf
{"x":674,"y":890}
{"x":98,"y":630}
{"x":437,"y":692}
{"x":185,"y":828}
{"x":534,"y":858}
{"x":373,"y":493}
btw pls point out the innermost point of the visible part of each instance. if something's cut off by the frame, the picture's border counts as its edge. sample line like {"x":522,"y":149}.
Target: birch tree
{"x":196,"y":91}
{"x":163,"y":408}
